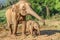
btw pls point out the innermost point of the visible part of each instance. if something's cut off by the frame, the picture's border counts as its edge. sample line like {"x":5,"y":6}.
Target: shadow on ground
{"x":46,"y":32}
{"x":49,"y":32}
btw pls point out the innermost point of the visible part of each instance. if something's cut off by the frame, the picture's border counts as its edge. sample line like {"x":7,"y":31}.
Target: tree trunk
{"x":47,"y":11}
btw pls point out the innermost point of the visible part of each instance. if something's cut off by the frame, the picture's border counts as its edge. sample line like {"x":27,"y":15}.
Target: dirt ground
{"x":44,"y":35}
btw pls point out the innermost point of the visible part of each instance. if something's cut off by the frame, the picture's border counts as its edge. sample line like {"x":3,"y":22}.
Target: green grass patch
{"x":2,"y":16}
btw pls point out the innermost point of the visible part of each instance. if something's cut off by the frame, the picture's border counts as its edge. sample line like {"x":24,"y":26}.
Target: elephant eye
{"x":23,"y":8}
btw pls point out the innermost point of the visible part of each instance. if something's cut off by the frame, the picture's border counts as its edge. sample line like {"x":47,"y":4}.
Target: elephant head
{"x":28,"y":10}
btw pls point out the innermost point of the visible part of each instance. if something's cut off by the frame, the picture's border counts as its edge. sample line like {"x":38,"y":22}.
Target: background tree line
{"x":45,"y":8}
{"x":5,"y":3}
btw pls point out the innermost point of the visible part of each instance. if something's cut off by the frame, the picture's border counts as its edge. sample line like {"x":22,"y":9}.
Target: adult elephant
{"x":17,"y":13}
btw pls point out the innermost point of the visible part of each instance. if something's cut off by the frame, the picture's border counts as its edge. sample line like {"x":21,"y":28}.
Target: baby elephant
{"x":32,"y":25}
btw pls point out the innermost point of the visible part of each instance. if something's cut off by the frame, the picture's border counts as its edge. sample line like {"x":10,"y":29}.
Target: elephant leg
{"x":31,"y":30}
{"x":15,"y":25}
{"x":15,"y":28}
{"x":38,"y":31}
{"x":23,"y":27}
{"x":15,"y":22}
{"x":10,"y":28}
{"x":28,"y":27}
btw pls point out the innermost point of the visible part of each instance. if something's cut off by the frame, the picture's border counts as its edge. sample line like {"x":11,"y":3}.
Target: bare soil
{"x":44,"y":35}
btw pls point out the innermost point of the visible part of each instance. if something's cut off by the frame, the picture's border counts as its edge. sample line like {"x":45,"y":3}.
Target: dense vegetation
{"x":46,"y":8}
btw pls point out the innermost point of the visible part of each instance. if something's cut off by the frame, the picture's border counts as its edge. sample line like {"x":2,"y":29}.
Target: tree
{"x":47,"y":5}
{"x":57,"y":6}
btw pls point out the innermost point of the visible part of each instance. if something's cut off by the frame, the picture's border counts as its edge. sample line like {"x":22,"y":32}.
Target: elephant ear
{"x":15,"y":8}
{"x":23,"y":10}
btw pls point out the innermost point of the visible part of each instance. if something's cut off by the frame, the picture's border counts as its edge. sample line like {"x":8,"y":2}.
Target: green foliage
{"x":35,"y":6}
{"x":2,"y":16}
{"x":40,"y":6}
{"x":57,"y":6}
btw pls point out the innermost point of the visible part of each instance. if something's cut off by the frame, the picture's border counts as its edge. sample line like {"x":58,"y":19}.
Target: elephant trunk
{"x":31,"y":12}
{"x":35,"y":15}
